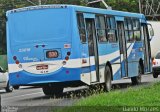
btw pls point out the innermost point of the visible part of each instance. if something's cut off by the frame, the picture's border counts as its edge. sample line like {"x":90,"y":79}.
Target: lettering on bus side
{"x":24,"y":50}
{"x":114,"y":45}
{"x":29,"y":59}
{"x":43,"y":72}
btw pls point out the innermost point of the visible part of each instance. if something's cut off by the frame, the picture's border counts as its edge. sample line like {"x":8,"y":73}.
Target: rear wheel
{"x":9,"y":88}
{"x":16,"y":87}
{"x":108,"y":79}
{"x":137,"y":79}
{"x":155,"y":75}
{"x":52,"y":91}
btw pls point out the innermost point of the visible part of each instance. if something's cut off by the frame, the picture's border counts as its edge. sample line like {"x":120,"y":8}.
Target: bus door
{"x":146,"y":48}
{"x":92,"y":47}
{"x":123,"y":49}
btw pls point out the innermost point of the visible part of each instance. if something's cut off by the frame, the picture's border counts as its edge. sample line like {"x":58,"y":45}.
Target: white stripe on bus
{"x":72,"y":63}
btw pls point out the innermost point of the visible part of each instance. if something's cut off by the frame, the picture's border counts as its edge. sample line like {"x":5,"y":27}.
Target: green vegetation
{"x":143,"y":96}
{"x":3,"y":63}
{"x":146,"y":97}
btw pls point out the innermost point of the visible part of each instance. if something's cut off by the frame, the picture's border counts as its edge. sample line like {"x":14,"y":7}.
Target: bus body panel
{"x":133,"y":58}
{"x":43,"y":31}
{"x":61,"y":75}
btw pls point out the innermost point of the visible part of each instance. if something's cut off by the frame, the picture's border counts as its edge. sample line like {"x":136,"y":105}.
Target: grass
{"x":144,"y":96}
{"x":147,"y":97}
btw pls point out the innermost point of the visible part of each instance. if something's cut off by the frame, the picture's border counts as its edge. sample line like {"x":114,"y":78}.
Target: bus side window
{"x":81,"y":27}
{"x":129,"y":30}
{"x":136,"y":28}
{"x":101,"y":28}
{"x":111,"y":29}
{"x":126,"y":30}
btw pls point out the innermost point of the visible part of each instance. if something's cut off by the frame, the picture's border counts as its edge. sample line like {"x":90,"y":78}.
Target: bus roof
{"x":79,"y":8}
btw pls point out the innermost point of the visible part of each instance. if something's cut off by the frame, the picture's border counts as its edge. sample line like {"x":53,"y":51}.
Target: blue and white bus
{"x":56,"y":46}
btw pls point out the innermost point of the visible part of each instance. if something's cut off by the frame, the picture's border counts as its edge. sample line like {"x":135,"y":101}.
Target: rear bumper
{"x":24,"y":78}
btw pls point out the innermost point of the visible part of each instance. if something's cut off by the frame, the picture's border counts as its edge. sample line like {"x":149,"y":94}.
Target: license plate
{"x":42,"y":67}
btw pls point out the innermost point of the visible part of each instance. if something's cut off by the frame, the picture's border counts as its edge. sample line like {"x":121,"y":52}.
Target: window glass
{"x":82,"y":35}
{"x":136,"y":24}
{"x":127,"y":35}
{"x":101,"y":35}
{"x":137,"y":35}
{"x":111,"y":36}
{"x":81,"y":27}
{"x":129,"y":21}
{"x":80,"y":21}
{"x":97,"y":23}
{"x":111,"y":29}
{"x":125,"y":25}
{"x":136,"y":28}
{"x":102,"y":22}
{"x":101,"y":29}
{"x":142,"y":34}
{"x":108,"y":23}
{"x":132,"y":29}
{"x":131,"y":37}
{"x":158,"y":56}
{"x":112,"y":21}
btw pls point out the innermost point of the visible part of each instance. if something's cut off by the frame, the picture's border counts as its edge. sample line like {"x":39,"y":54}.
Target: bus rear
{"x":39,"y":45}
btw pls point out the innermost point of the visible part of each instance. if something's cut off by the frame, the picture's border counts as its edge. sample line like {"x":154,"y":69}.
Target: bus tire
{"x":9,"y":88}
{"x":108,"y":79}
{"x":16,"y":87}
{"x":155,"y":75}
{"x":52,"y":91}
{"x":137,"y":79}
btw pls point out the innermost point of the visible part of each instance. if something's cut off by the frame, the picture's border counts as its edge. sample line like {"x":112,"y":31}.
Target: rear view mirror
{"x":151,"y":31}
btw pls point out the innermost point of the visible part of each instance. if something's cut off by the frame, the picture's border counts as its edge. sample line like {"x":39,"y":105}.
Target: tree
{"x":124,"y":5}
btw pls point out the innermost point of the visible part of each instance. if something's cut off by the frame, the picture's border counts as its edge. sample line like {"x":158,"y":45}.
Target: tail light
{"x":16,"y":60}
{"x":67,"y":58}
{"x":154,"y":62}
{"x":14,"y":57}
{"x":68,"y":53}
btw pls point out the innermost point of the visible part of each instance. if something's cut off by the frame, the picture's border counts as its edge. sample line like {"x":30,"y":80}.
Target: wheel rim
{"x":10,"y":87}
